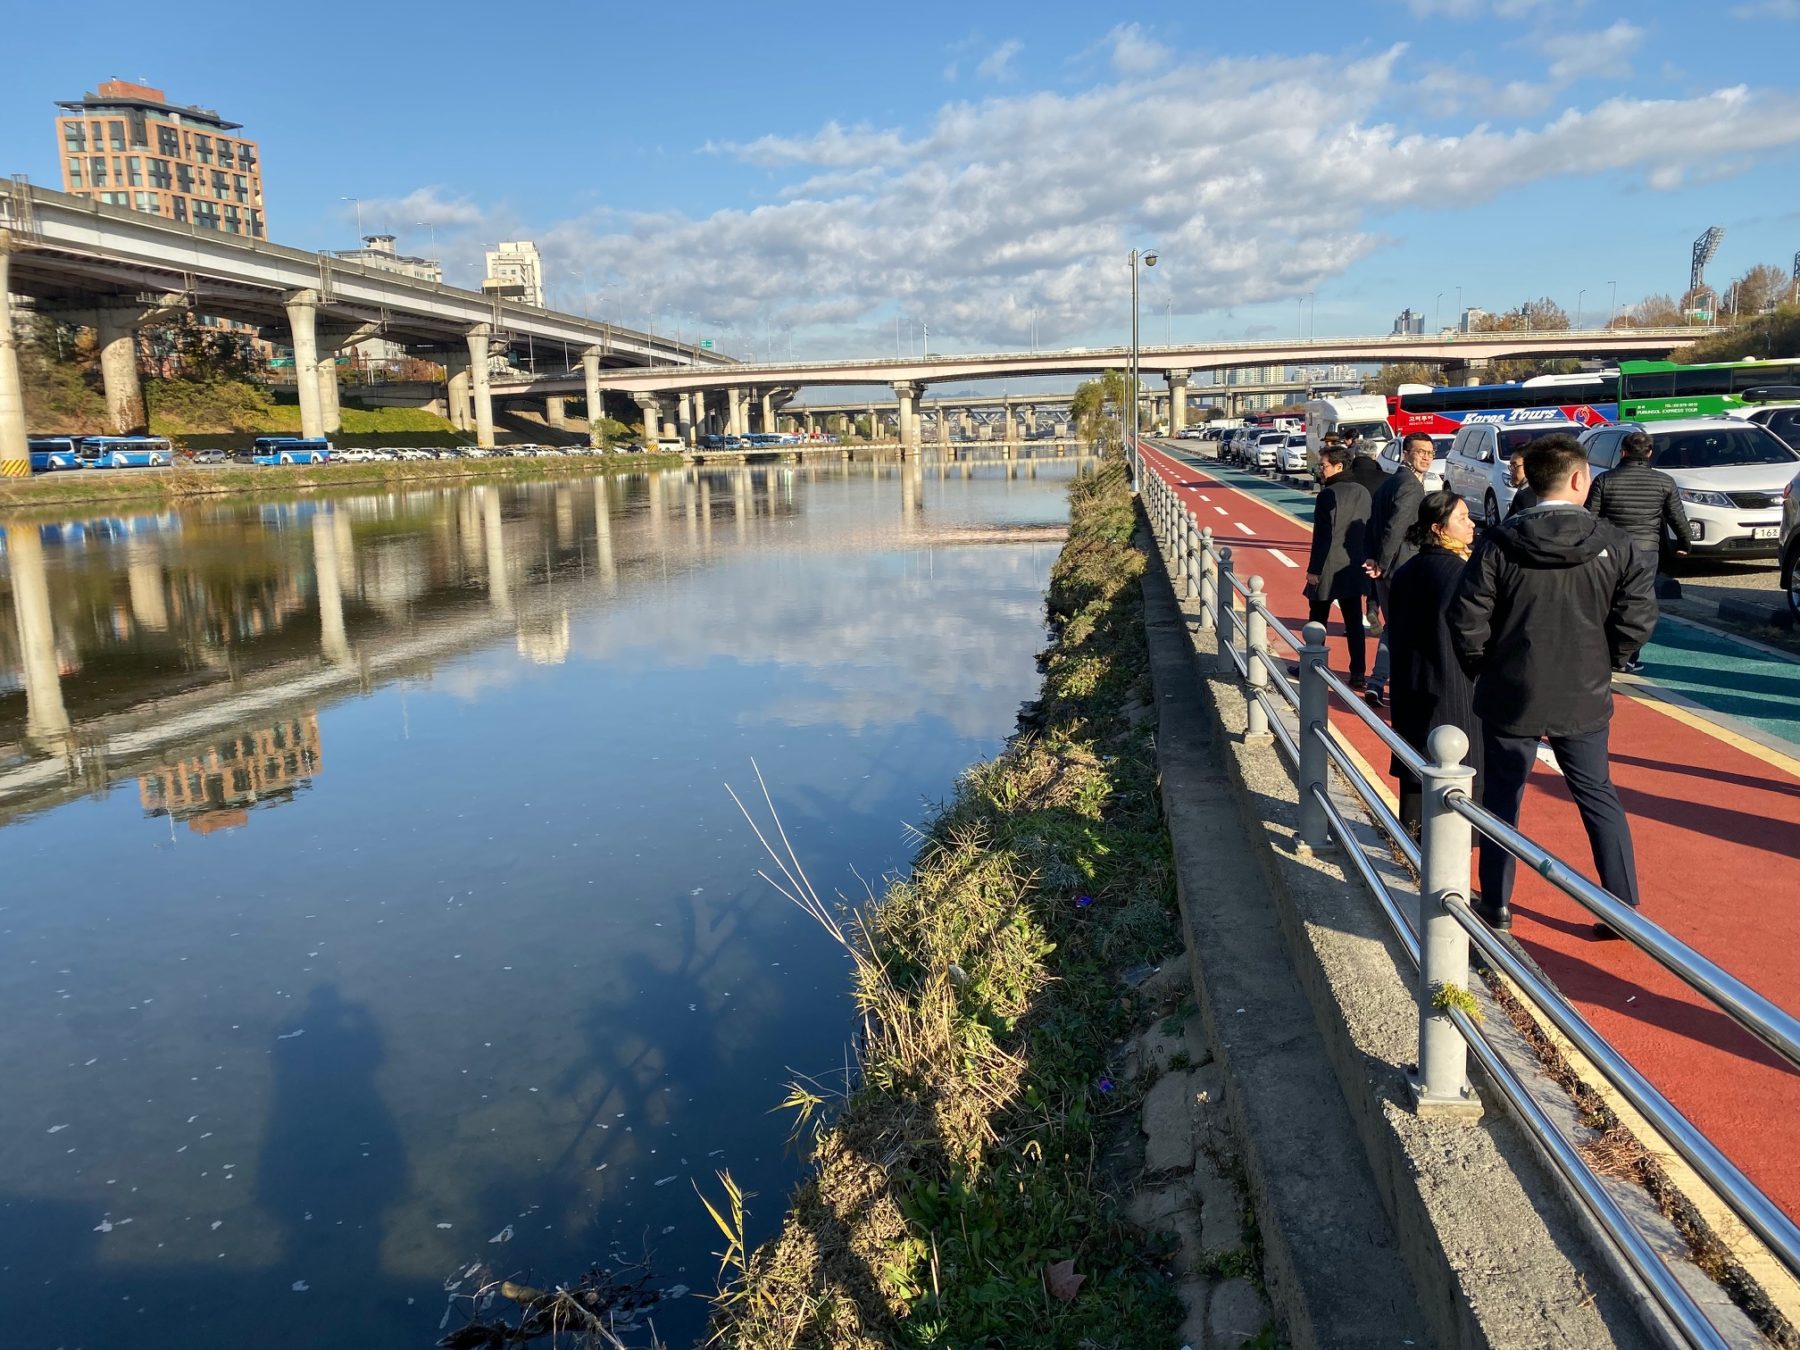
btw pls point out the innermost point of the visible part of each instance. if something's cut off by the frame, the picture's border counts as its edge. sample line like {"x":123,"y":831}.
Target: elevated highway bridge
{"x":730,"y":393}
{"x":115,"y":269}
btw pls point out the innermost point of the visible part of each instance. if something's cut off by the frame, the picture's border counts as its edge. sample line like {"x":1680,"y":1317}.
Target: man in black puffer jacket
{"x":1550,"y":602}
{"x":1641,"y":501}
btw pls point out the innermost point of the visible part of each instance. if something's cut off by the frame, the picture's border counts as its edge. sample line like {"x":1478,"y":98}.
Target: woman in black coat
{"x":1426,"y":685}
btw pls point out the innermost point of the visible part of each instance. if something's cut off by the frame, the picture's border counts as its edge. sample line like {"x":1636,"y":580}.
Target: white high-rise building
{"x":515,"y":271}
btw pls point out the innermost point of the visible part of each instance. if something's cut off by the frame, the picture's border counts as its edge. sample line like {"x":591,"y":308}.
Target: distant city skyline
{"x":988,"y":180}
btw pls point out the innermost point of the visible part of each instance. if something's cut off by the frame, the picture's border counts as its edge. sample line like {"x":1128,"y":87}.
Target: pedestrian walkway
{"x":1706,"y":755}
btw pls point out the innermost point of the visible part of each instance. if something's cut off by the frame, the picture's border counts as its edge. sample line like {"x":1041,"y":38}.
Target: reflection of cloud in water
{"x":878,"y":638}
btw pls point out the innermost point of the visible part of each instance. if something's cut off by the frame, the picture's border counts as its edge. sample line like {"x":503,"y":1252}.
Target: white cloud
{"x":1257,"y":179}
{"x":1135,"y":52}
{"x":1768,"y":9}
{"x":997,"y":64}
{"x":1603,"y":55}
{"x":422,"y":206}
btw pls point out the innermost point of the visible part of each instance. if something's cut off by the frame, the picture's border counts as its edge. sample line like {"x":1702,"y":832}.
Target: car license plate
{"x":1765,"y":531}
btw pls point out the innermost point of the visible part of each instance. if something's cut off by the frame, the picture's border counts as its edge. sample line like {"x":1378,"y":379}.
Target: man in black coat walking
{"x":1551,"y":600}
{"x":1641,"y":501}
{"x":1392,"y":513}
{"x":1334,"y":570}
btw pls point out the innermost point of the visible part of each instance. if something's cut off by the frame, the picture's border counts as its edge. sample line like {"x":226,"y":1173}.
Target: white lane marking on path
{"x":1204,"y":497}
{"x":1245,"y":528}
{"x":1282,"y":558}
{"x":1221,"y":510}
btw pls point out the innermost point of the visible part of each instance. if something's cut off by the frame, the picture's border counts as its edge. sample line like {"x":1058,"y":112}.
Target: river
{"x":373,"y":904}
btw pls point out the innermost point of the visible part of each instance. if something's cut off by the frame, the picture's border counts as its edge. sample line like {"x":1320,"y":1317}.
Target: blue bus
{"x":50,"y":453}
{"x":285,"y":450}
{"x":126,"y":452}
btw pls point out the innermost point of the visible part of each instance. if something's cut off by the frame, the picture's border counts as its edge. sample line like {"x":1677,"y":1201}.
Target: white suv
{"x":1731,"y":475}
{"x":1478,"y":465}
{"x":1781,"y":418}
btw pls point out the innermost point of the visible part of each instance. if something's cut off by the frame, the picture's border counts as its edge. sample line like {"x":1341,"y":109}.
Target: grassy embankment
{"x":169,"y":486}
{"x":1776,"y":333}
{"x":965,"y":1163}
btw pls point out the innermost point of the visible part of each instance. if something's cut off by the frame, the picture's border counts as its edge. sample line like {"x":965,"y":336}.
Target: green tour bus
{"x":1652,"y":391}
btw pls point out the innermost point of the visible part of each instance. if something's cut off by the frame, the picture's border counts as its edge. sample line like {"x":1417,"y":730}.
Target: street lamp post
{"x":1437,"y":314}
{"x":1579,"y":297}
{"x":1612,"y":309}
{"x":1148,"y":257}
{"x":357,"y":203}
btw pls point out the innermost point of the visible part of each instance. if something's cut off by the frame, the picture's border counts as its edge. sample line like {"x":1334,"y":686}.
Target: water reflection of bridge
{"x":138,"y":658}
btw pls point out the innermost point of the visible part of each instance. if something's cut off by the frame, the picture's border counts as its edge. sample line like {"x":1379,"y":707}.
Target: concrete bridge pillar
{"x":875,"y":431}
{"x":331,"y":416}
{"x":1178,"y":396}
{"x":735,"y":403}
{"x":478,"y":385}
{"x":699,"y":397}
{"x":556,"y":411}
{"x":596,"y":398}
{"x":943,"y":426}
{"x":302,"y":315}
{"x":811,"y":426}
{"x":768,"y":411}
{"x":46,"y":716}
{"x":1029,"y":420}
{"x":908,"y":395}
{"x":651,"y":407}
{"x":684,"y":418}
{"x":966,"y":420}
{"x":115,"y":330}
{"x":15,"y":451}
{"x":456,"y":389}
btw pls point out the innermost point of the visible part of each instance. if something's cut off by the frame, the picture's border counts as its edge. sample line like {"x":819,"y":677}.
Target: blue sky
{"x":799,"y":175}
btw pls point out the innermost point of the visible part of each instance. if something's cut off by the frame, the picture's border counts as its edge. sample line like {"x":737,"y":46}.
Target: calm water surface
{"x":371,"y":890}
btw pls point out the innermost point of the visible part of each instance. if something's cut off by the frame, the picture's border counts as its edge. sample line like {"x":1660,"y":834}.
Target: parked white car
{"x":1477,"y":467}
{"x":1732,"y":475}
{"x":1293,"y":453}
{"x":1389,"y":459}
{"x":1265,"y":451}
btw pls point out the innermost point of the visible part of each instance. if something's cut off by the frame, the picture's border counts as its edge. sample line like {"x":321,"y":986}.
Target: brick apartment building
{"x":126,"y":144}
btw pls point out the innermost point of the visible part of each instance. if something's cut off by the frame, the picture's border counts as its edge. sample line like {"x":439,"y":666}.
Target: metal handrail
{"x":1674,"y":1300}
{"x":1770,"y":1224}
{"x":1396,"y":917}
{"x":1391,"y":739}
{"x":1442,"y":859}
{"x":1373,"y":800}
{"x":1770,"y":1024}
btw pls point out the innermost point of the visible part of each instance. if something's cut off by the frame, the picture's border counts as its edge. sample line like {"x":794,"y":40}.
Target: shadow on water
{"x":332,"y":1162}
{"x":330,"y":1166}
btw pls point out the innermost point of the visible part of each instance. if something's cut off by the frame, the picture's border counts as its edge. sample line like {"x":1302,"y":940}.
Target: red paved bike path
{"x":1717,"y":832}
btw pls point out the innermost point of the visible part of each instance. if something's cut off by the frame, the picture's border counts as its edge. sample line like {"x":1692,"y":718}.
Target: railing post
{"x":1442,"y":1086}
{"x":1190,"y":569}
{"x":1315,"y":718}
{"x":1256,"y":674}
{"x":1209,"y":581}
{"x":1222,"y":596}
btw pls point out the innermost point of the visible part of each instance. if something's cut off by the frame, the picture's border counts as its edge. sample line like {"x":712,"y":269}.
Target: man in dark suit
{"x":1334,"y":570}
{"x":1393,"y":511}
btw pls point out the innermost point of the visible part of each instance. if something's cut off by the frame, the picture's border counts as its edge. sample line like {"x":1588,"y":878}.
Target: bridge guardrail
{"x":1203,"y":570}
